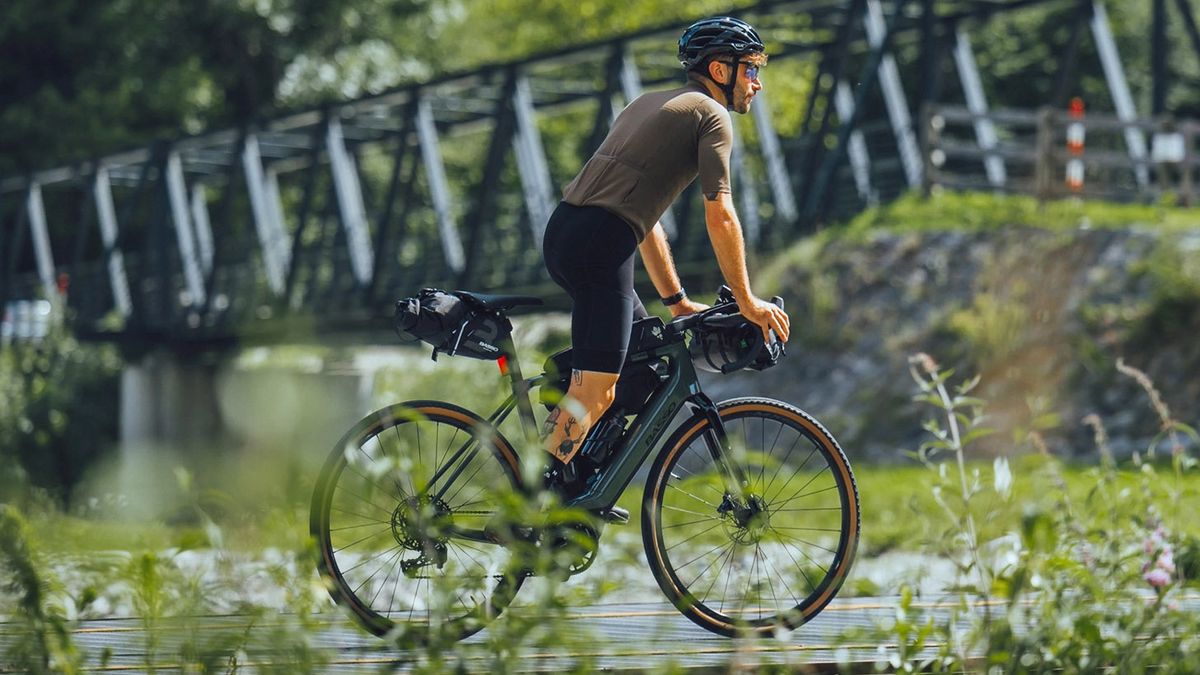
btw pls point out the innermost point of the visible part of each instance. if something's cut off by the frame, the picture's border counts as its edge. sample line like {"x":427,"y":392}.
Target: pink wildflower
{"x":1166,"y":561}
{"x":1157,"y":578}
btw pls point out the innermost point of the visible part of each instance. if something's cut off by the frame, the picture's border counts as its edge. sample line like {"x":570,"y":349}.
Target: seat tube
{"x":520,"y":390}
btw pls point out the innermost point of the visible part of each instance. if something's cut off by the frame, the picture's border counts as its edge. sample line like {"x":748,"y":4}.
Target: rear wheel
{"x":399,"y":514}
{"x":769,"y":556}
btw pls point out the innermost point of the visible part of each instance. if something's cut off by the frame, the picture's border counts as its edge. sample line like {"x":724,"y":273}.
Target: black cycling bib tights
{"x":589,"y":252}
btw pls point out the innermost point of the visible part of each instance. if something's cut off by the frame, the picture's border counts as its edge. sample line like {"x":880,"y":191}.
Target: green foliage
{"x":991,"y":326}
{"x":93,"y":77}
{"x":1173,"y":271}
{"x":58,"y":413}
{"x":978,"y":211}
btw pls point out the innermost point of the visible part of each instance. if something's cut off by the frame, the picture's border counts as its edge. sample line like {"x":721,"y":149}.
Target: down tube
{"x":647,"y":429}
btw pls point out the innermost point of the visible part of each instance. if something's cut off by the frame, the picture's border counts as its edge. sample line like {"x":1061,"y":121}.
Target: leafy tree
{"x":86,"y":77}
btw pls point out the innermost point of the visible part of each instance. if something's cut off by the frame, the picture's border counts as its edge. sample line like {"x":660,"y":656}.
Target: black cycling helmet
{"x":717,"y":35}
{"x":724,"y":343}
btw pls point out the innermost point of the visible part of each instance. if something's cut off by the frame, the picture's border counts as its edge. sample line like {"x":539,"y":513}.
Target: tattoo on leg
{"x":572,"y":437}
{"x":577,"y":376}
{"x":551,"y":422}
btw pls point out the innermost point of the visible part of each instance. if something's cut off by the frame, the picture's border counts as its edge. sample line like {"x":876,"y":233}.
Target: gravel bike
{"x":749,"y":516}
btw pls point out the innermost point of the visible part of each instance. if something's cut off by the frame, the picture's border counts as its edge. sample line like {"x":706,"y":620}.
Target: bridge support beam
{"x":1114,"y":72}
{"x":631,"y":88}
{"x":777,"y":171}
{"x":107,"y":218}
{"x":746,"y":189}
{"x":439,"y":187}
{"x":41,"y":239}
{"x":531,"y":162}
{"x":893,"y":95}
{"x":985,"y":131}
{"x":860,"y":159}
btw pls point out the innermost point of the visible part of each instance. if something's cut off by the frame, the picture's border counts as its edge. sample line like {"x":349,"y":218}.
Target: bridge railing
{"x":1150,"y":159}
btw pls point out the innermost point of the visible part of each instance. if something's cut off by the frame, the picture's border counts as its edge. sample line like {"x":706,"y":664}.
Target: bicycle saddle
{"x":497,"y":303}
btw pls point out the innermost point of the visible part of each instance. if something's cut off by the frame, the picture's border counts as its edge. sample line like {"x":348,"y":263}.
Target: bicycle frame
{"x":642,"y":436}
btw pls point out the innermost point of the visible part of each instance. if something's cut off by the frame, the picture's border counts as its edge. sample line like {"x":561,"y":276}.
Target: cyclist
{"x":659,"y":144}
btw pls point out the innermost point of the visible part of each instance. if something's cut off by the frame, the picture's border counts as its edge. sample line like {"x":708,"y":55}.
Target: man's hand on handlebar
{"x":685,"y":307}
{"x":767,"y":316}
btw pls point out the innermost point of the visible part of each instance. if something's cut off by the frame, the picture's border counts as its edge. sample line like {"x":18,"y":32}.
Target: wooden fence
{"x":1015,"y":151}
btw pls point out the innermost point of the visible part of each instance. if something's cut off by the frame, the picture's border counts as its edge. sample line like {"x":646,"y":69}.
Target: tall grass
{"x":1077,"y":585}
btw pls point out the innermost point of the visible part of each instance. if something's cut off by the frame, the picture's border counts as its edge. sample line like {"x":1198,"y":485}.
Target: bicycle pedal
{"x":615,"y":515}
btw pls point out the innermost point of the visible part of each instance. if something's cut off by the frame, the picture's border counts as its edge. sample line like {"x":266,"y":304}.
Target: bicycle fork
{"x":738,"y":499}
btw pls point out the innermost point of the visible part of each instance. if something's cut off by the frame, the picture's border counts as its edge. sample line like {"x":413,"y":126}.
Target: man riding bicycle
{"x":659,"y":144}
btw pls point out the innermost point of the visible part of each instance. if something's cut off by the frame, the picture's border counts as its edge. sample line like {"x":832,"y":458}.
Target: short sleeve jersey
{"x":658,"y":145}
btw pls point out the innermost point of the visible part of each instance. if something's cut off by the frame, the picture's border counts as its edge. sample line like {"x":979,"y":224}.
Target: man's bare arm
{"x":656,"y":255}
{"x":725,"y":232}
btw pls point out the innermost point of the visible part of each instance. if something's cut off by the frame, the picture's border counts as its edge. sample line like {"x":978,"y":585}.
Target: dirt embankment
{"x":1041,"y":316}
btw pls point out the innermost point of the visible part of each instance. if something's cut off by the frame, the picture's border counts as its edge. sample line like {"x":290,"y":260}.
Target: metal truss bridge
{"x":310,"y":224}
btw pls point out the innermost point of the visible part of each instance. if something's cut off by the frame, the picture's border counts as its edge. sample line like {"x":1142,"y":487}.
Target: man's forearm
{"x":656,"y":255}
{"x":725,"y":232}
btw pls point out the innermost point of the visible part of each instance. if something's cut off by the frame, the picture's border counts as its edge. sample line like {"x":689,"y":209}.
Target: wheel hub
{"x":745,"y":522}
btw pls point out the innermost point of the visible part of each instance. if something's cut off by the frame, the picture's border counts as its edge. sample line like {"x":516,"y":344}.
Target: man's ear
{"x":715,"y":71}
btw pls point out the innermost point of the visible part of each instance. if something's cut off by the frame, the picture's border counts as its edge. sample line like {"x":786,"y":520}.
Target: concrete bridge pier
{"x":240,"y":399}
{"x":170,"y":400}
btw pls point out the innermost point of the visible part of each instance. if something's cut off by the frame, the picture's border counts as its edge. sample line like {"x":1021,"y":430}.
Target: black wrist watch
{"x":675,"y":299}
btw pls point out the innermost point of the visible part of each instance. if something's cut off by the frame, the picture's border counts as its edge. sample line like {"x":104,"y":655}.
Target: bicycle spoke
{"x":809,"y":494}
{"x":396,"y":564}
{"x":369,"y":536}
{"x":797,"y":473}
{"x":705,"y":483}
{"x":783,"y":462}
{"x":392,"y":557}
{"x":675,"y":487}
{"x":694,"y":513}
{"x":767,"y":559}
{"x":690,"y":522}
{"x":715,"y":548}
{"x":732,"y":547}
{"x":680,"y":543}
{"x":355,"y":513}
{"x":728,"y":578}
{"x":806,"y":555}
{"x":799,"y":567}
{"x":412,"y":481}
{"x":353,"y":527}
{"x":368,"y":503}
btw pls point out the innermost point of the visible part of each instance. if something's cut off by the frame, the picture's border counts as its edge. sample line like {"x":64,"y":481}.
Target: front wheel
{"x":399,"y":515}
{"x":768,"y":554}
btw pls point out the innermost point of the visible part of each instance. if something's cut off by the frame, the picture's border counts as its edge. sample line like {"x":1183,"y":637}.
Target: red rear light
{"x":502,"y":362}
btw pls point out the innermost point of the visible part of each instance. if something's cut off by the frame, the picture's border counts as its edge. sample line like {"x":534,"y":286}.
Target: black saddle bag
{"x":452,"y":324}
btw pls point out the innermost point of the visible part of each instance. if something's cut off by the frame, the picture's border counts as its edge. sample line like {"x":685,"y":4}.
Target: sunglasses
{"x":751,"y":69}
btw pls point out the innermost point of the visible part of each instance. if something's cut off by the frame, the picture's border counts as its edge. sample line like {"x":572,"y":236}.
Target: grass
{"x":898,"y":510}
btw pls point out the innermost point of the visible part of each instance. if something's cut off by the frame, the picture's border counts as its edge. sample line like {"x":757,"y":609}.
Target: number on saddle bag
{"x":452,"y":324}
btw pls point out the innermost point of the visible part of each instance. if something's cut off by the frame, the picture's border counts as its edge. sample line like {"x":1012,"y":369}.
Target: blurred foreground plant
{"x":1096,"y":586}
{"x":43,"y":641}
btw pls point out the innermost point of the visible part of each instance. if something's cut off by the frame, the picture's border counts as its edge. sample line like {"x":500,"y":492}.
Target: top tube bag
{"x":452,"y":324}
